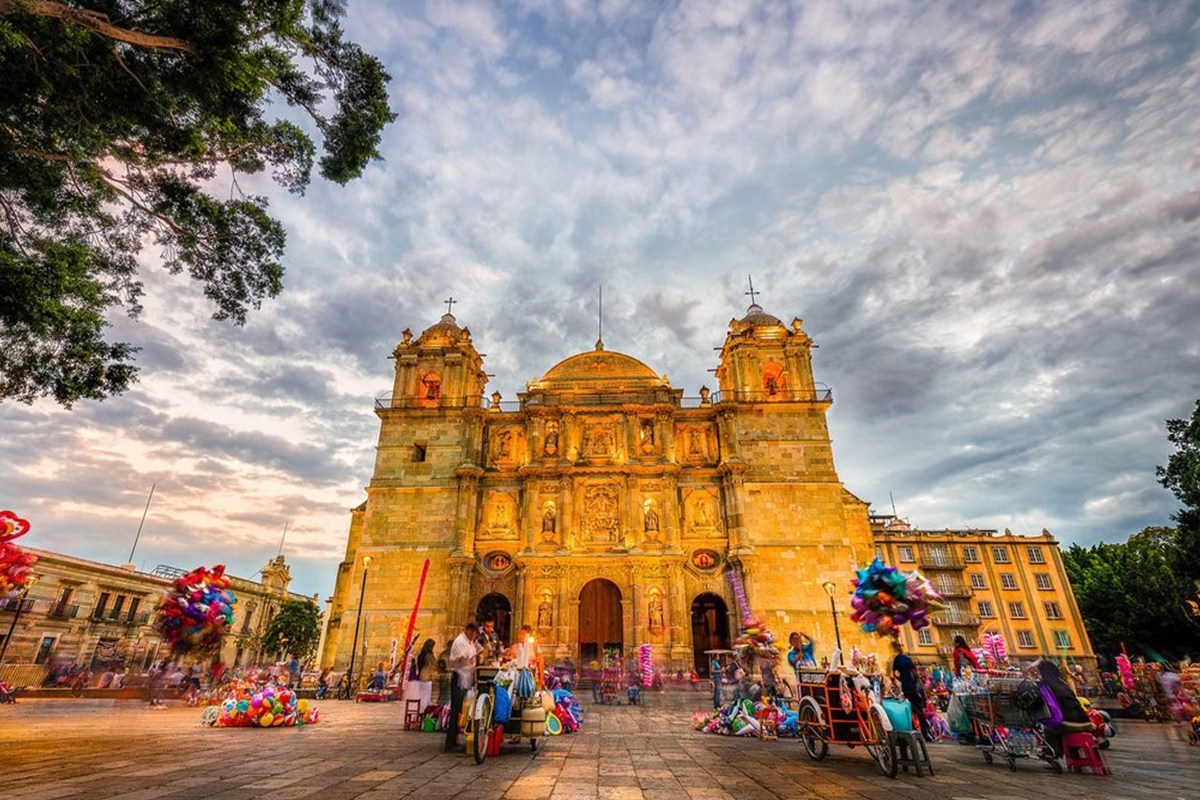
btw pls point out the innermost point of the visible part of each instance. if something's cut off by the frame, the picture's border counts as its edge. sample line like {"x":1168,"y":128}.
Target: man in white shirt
{"x":464,"y":653}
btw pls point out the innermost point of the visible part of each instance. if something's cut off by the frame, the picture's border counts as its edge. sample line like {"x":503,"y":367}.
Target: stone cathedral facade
{"x":604,"y":507}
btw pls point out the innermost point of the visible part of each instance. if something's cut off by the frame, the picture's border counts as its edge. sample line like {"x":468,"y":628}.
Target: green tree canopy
{"x":1182,"y":476}
{"x":125,"y":123}
{"x":295,"y":629}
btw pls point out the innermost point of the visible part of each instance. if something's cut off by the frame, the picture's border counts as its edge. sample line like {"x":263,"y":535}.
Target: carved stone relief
{"x":599,"y":441}
{"x":701,"y":514}
{"x":601,"y":517}
{"x":499,"y":517}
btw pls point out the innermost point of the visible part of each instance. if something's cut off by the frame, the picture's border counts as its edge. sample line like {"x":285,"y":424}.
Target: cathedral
{"x":604,"y":507}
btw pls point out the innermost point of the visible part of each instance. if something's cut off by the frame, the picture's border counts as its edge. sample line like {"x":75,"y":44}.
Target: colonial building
{"x":993,"y":583}
{"x":100,"y":615}
{"x":603,"y":507}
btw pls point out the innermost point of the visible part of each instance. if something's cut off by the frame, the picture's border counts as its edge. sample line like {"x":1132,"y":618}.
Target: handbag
{"x":525,"y":685}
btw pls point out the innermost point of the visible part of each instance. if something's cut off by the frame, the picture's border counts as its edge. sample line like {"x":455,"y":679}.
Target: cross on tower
{"x":450,"y":304}
{"x":752,"y":293}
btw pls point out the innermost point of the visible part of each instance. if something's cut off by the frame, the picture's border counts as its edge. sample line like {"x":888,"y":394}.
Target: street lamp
{"x":17,"y":615}
{"x":829,"y":587}
{"x":358,"y":621}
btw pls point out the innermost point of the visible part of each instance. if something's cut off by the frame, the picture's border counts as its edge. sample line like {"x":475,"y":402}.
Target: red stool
{"x":1082,"y":753}
{"x":412,"y":715}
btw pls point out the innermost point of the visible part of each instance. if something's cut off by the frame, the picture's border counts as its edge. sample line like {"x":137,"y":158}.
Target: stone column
{"x":666,"y":424}
{"x":520,"y":602}
{"x":670,"y":517}
{"x":465,"y":512}
{"x":734,"y":486}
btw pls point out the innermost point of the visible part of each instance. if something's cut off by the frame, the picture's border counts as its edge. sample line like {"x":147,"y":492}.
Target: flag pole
{"x":412,"y":621}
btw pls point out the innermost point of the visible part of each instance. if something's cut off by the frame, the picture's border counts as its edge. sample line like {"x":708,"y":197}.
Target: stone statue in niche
{"x":656,"y":610}
{"x":601,"y":513}
{"x":695,"y":444}
{"x":545,"y":616}
{"x":647,"y":436}
{"x":598,"y":441}
{"x":650,"y":521}
{"x":503,"y":445}
{"x":550,"y":445}
{"x":549,"y":522}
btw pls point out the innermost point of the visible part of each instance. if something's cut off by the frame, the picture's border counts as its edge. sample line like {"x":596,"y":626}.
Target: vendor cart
{"x":1003,"y":728}
{"x":823,"y":720}
{"x":483,"y":733}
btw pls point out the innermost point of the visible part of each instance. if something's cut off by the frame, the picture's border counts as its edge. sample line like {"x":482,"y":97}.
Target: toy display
{"x":645,"y":664}
{"x":196,"y":611}
{"x":885,"y":599}
{"x":16,"y":565}
{"x":267,"y":707}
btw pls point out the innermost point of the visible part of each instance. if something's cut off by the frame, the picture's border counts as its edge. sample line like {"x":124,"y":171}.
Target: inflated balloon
{"x":248,"y":706}
{"x":16,"y":566}
{"x":885,"y":599}
{"x":196,"y":611}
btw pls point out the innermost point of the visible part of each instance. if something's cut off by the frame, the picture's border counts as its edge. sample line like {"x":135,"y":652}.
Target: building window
{"x":1016,"y":610}
{"x":977,"y":581}
{"x":925,"y":636}
{"x":1008,"y":580}
{"x":971,"y":554}
{"x":985,"y":609}
{"x":1035,"y":555}
{"x":44,"y":649}
{"x":418,"y":453}
{"x":133,"y":608}
{"x":906,"y":553}
{"x":118,"y":604}
{"x":1043,"y":581}
{"x":101,"y":604}
{"x":1062,"y":640}
{"x":64,"y":597}
{"x":879,"y":552}
{"x":1000,"y":555}
{"x":1024,"y":638}
{"x":1053,"y":611}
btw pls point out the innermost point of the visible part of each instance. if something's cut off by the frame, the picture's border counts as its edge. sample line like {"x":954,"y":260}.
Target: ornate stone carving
{"x":550,"y":438}
{"x":646,"y":436}
{"x":545,"y":615}
{"x":601,"y":514}
{"x":650,"y":520}
{"x":499,"y":517}
{"x":701,"y":513}
{"x":549,"y":522}
{"x":599,"y":440}
{"x":502,"y":446}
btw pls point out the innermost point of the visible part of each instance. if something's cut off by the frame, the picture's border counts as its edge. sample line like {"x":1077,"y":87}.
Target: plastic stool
{"x":911,"y":752}
{"x":412,"y":715}
{"x":1082,"y":753}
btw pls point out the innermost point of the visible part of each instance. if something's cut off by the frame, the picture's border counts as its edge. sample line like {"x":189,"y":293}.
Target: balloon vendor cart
{"x":842,"y":706}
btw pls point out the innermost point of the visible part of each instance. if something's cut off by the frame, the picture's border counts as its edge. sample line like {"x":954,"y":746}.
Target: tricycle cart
{"x":1002,"y":727}
{"x":824,"y":720}
{"x":483,"y":733}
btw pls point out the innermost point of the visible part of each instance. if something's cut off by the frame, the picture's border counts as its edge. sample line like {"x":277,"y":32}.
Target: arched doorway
{"x":710,"y":628}
{"x":497,"y":605}
{"x":601,"y":623}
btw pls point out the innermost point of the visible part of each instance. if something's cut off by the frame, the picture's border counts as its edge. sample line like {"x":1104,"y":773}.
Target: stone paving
{"x":121,"y":749}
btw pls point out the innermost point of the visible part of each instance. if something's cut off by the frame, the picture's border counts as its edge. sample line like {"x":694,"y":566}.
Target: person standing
{"x":963,"y":655}
{"x":714,"y":672}
{"x":420,"y":676}
{"x":294,"y":672}
{"x":464,"y":654}
{"x":904,"y":669}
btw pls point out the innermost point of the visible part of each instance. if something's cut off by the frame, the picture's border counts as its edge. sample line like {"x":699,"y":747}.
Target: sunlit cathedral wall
{"x":602,"y":507}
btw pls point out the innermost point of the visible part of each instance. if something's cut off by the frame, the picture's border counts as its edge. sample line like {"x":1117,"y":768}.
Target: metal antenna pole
{"x":283,"y":538}
{"x":143,"y":522}
{"x":894,"y":514}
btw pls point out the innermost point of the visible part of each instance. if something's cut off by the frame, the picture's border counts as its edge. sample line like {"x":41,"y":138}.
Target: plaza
{"x":120,"y":750}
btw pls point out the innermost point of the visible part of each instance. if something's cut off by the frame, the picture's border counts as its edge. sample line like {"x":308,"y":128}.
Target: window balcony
{"x":951,"y":588}
{"x":940,"y":559}
{"x":17,"y":603}
{"x":64,"y":611}
{"x":952,"y":618}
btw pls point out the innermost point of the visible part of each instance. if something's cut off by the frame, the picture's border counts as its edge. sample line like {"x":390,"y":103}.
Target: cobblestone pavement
{"x":121,"y":749}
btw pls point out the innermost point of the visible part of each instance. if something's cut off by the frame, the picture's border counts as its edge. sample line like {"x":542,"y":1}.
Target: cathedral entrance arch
{"x":497,"y":605}
{"x":710,"y":628}
{"x":601,"y":622}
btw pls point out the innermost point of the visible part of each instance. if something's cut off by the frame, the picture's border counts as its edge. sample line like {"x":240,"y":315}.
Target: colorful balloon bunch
{"x":16,"y":566}
{"x":196,"y":611}
{"x":756,"y":640}
{"x":270,"y":707}
{"x":885,"y":599}
{"x":645,"y":664}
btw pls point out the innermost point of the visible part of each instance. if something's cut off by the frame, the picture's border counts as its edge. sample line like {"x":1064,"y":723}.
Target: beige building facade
{"x":603,"y":507}
{"x":992,"y":583}
{"x":100,"y":615}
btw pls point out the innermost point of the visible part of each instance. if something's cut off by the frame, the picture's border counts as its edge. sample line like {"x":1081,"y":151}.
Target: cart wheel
{"x":1055,"y":765}
{"x":987,"y":756}
{"x":1012,"y":763}
{"x":814,"y":744}
{"x":885,"y":749}
{"x":483,"y":727}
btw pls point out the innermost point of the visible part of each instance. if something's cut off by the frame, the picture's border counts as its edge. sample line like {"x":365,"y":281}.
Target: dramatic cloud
{"x":988,"y":216}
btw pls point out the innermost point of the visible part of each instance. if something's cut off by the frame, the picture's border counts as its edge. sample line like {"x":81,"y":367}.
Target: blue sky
{"x":987,"y":214}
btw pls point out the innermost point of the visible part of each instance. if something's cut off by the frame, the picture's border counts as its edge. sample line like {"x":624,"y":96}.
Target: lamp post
{"x":358,"y":621}
{"x":829,"y":587}
{"x":16,"y":616}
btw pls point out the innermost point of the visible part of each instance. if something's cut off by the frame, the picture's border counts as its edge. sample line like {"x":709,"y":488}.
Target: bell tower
{"x":764,"y":361}
{"x":439,"y":369}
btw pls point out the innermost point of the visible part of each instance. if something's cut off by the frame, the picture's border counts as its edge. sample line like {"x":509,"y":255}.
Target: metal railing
{"x":64,"y":611}
{"x":663,"y":397}
{"x":15,"y":603}
{"x":389,"y":401}
{"x":821,"y":394}
{"x":932,"y":558}
{"x":949,"y":618}
{"x":951,"y":588}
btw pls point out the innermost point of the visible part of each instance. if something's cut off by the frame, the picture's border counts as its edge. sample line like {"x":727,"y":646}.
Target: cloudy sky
{"x":987,"y":214}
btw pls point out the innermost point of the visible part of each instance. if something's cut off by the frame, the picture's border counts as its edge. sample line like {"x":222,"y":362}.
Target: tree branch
{"x":97,"y":23}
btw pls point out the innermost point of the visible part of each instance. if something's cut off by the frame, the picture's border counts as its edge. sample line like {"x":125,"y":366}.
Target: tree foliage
{"x":125,"y":123}
{"x":1182,"y":476}
{"x":295,"y":629}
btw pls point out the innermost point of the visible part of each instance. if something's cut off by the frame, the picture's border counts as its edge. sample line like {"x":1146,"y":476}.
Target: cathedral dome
{"x":600,"y":369}
{"x":757,"y":317}
{"x":444,"y":330}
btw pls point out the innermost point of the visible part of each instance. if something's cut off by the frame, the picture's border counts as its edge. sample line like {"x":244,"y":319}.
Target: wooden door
{"x":601,"y":624}
{"x":710,"y":629}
